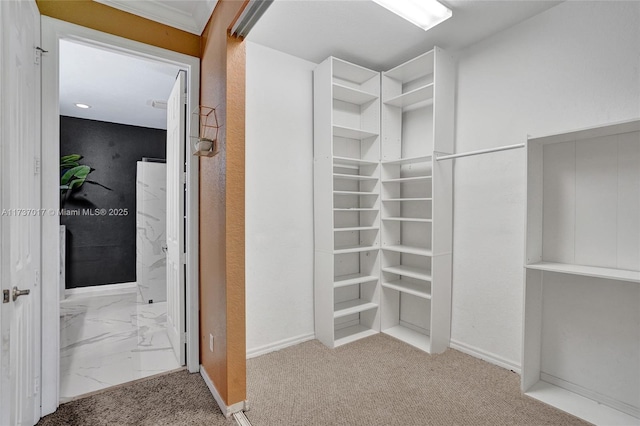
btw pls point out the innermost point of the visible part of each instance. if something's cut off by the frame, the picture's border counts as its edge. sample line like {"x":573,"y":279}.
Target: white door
{"x":20,"y":220}
{"x":176,"y":184}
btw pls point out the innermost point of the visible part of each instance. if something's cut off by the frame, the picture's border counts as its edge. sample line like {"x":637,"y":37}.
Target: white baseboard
{"x":281,"y":344}
{"x":102,"y":290}
{"x":485,"y":356}
{"x":227,"y":410}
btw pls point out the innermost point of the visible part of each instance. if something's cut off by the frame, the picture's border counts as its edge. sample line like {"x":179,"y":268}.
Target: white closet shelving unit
{"x":581,"y":349}
{"x":346,"y":201}
{"x":367,"y":191}
{"x":417,"y":121}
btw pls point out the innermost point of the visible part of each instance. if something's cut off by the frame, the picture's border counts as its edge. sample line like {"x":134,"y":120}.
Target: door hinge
{"x":184,"y":178}
{"x":36,"y":166}
{"x":36,"y":387}
{"x":183,"y":258}
{"x":37,"y":278}
{"x":38,"y":54}
{"x":183,"y":98}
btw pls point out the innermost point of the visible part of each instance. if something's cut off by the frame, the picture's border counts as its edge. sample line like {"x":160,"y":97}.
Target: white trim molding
{"x":165,"y":12}
{"x":227,"y":410}
{"x":485,"y":356}
{"x":281,"y":344}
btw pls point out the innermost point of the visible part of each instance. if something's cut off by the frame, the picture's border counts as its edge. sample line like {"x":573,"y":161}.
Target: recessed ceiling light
{"x":83,"y":106}
{"x":426,"y":14}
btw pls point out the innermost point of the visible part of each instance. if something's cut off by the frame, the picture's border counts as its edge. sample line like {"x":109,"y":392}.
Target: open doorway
{"x":118,"y":280}
{"x":113,"y":194}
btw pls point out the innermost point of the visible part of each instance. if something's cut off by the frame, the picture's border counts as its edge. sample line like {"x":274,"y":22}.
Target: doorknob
{"x":17,"y":293}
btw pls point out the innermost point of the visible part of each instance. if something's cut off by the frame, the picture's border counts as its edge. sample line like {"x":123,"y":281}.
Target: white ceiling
{"x":365,"y":33}
{"x":188,"y":15}
{"x":118,"y":87}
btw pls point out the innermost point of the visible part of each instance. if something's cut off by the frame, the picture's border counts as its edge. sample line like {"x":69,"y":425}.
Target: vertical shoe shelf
{"x":382,"y":207}
{"x":417,"y":120}
{"x":346,"y":201}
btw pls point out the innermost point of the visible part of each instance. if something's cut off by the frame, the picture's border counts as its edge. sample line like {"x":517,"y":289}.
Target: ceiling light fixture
{"x":83,"y":106}
{"x":426,"y":14}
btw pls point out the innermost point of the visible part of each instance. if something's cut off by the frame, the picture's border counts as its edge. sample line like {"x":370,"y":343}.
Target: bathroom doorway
{"x":54,"y":34}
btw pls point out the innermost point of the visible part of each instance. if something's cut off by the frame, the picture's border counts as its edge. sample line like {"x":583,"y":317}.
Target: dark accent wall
{"x":101,"y":249}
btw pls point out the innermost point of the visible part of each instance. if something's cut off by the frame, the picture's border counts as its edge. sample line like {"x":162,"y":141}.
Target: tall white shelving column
{"x":417,"y":121}
{"x":346,"y":201}
{"x":581,"y":340}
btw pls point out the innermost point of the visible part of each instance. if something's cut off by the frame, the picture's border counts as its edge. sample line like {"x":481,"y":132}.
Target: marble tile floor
{"x":109,"y":339}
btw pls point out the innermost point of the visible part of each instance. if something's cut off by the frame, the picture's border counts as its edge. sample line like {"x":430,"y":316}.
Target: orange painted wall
{"x":98,"y":16}
{"x":222,"y":275}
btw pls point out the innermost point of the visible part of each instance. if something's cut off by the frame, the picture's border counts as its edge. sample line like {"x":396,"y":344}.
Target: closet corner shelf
{"x":587,"y":271}
{"x":391,"y":200}
{"x":351,"y":133}
{"x":406,"y":179}
{"x":353,"y":177}
{"x":409,"y":250}
{"x":351,"y":95}
{"x":355,"y":193}
{"x":352,"y":279}
{"x":351,"y":334}
{"x":409,"y":160}
{"x":408,"y":219}
{"x":356,"y":209}
{"x":354,"y":249}
{"x":422,"y":94}
{"x":356,"y":228}
{"x":342,"y":309}
{"x":412,"y":337}
{"x":348,"y":161}
{"x":409,"y":271}
{"x":423,"y":291}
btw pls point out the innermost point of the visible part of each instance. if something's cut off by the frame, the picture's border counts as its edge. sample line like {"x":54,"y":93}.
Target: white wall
{"x":279,"y":199}
{"x":575,"y":65}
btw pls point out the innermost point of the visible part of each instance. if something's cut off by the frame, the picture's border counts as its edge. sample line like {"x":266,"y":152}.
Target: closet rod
{"x":481,"y":151}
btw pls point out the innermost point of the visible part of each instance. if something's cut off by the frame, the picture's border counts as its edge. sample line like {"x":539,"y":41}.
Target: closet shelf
{"x":419,"y":290}
{"x":353,"y":177}
{"x":354,"y":193}
{"x":342,"y":309}
{"x":354,"y":249}
{"x":356,"y":228}
{"x":351,"y":133}
{"x":422,"y":94}
{"x":352,"y":279}
{"x":409,"y":271}
{"x":409,"y":250}
{"x":587,"y":271}
{"x":356,"y":209}
{"x":347,"y":161}
{"x":406,"y":199}
{"x":420,"y":66}
{"x":351,"y":334}
{"x":407,"y":179}
{"x":351,"y":95}
{"x":412,"y":337}
{"x":408,"y":219}
{"x":410,"y":160}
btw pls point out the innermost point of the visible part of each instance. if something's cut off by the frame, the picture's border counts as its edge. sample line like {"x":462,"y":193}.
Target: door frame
{"x":54,"y":30}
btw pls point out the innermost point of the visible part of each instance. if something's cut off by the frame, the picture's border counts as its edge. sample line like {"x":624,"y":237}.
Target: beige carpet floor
{"x":177,"y":399}
{"x":381,"y":381}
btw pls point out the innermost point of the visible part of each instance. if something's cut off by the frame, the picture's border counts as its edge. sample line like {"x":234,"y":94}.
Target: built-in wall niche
{"x":582,"y":284}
